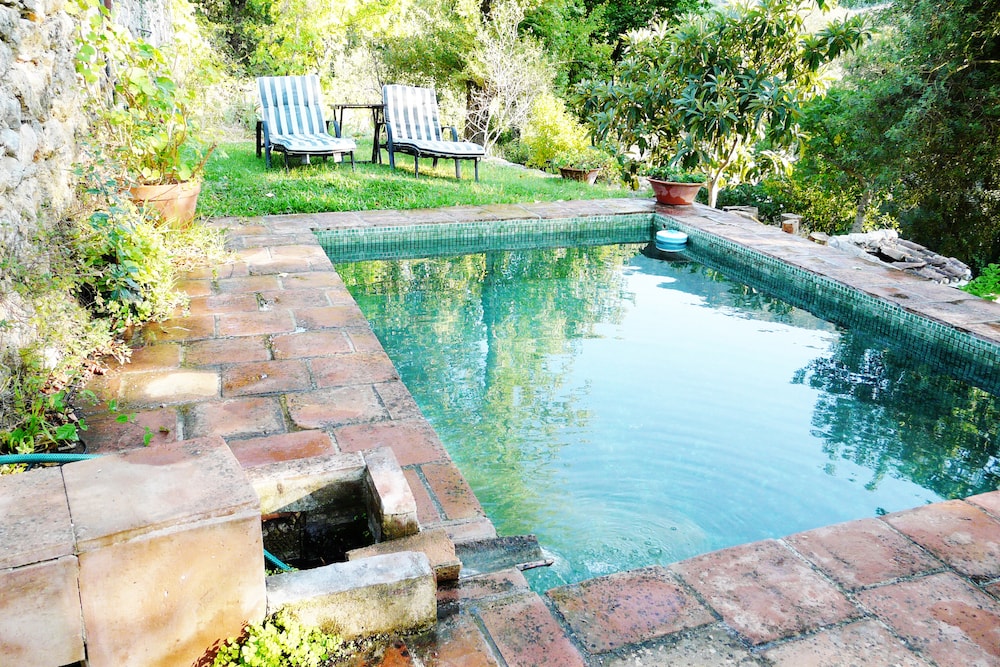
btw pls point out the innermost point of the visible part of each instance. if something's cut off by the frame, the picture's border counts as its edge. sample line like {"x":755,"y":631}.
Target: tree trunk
{"x":863,"y":202}
{"x":475,"y":116}
{"x":713,"y":191}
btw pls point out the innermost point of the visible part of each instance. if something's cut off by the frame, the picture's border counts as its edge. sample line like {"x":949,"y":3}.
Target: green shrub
{"x":280,"y":641}
{"x":675,"y":175}
{"x":517,"y":152}
{"x":129,"y":276}
{"x":986,"y":284}
{"x":551,"y":130}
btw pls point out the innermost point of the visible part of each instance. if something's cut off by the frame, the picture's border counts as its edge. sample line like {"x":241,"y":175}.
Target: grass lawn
{"x":236,"y":184}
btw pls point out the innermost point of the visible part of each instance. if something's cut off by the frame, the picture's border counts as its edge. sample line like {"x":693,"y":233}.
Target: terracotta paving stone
{"x":452,"y":491}
{"x":942,"y":617}
{"x":154,"y":357}
{"x":363,"y":339}
{"x":314,"y":279}
{"x":709,"y":646}
{"x":235,"y":417}
{"x":456,"y":642}
{"x":106,"y":388}
{"x":311,"y":251}
{"x":251,"y":255}
{"x":298,"y":298}
{"x":329,"y":317}
{"x":987,"y":501}
{"x":309,"y":344}
{"x":412,"y":441}
{"x":489,"y":585}
{"x":193,"y":327}
{"x":35,"y":521}
{"x":398,"y":400}
{"x":265,"y":377}
{"x":254,"y":324}
{"x":107,"y":435}
{"x":858,"y":644}
{"x":165,"y":387}
{"x":764,"y":592}
{"x":958,"y":533}
{"x":248,"y":284}
{"x":628,"y":608}
{"x":195,"y":287}
{"x":862,"y":553}
{"x":276,"y":266}
{"x":527,"y":635}
{"x":334,"y":407}
{"x":221,"y":351}
{"x":339,"y":296}
{"x":353,"y":368}
{"x":283,"y":447}
{"x":471,"y":530}
{"x":223,"y":303}
{"x":266,"y":240}
{"x":427,"y":513}
{"x":993,"y":589}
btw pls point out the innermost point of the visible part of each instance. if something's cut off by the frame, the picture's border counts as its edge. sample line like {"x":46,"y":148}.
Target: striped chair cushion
{"x":412,"y":114}
{"x":292,"y":108}
{"x":442,"y":148}
{"x":312,"y":143}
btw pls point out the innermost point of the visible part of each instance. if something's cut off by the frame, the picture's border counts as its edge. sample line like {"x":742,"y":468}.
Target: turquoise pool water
{"x":633,"y":411}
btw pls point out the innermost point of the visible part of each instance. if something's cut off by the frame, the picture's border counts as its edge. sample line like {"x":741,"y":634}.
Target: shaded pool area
{"x":632,"y":410}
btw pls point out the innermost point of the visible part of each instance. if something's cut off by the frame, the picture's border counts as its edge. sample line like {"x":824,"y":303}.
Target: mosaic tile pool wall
{"x":964,"y":356}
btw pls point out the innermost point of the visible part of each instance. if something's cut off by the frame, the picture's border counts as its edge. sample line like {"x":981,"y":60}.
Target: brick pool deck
{"x":275,"y":357}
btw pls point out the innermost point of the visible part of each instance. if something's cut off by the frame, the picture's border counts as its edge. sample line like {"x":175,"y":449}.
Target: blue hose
{"x":44,"y":458}
{"x":277,"y":563}
{"x":70,"y":458}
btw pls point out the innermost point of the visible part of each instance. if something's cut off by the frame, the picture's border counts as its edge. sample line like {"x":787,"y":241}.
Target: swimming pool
{"x":630,"y":410}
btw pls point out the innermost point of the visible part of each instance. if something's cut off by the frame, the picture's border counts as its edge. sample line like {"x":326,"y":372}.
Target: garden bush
{"x":551,"y":130}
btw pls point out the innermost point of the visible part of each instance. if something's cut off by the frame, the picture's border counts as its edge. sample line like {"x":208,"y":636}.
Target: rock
{"x":886,"y":247}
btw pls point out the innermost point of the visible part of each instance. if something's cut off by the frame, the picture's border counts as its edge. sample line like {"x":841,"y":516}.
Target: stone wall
{"x":40,"y":123}
{"x":39,"y":117}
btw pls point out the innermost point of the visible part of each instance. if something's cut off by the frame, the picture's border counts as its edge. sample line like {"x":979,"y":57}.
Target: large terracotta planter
{"x":587,"y":175}
{"x":174,"y":202}
{"x":675,"y":194}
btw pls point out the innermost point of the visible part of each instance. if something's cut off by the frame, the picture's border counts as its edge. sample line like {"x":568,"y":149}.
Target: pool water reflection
{"x":632,"y":411}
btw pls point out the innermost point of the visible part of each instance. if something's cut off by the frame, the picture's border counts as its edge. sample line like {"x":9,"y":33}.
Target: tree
{"x":719,"y":92}
{"x":508,"y":73}
{"x":922,"y":109}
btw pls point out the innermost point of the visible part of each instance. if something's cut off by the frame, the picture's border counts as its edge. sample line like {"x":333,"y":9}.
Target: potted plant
{"x":153,"y":135}
{"x":673,"y":186}
{"x":582,"y":164}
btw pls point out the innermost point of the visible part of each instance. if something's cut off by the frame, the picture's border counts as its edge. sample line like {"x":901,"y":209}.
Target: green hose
{"x":44,"y":458}
{"x":70,"y":458}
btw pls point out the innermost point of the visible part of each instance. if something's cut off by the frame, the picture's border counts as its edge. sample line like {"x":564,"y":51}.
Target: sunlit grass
{"x":236,"y":184}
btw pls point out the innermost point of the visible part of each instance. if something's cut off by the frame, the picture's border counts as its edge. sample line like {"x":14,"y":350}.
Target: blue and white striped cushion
{"x":293,"y":110}
{"x":442,"y":148}
{"x":412,"y":114}
{"x":313,"y":143}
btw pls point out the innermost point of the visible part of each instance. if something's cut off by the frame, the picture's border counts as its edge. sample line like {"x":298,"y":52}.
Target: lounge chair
{"x":292,"y":120}
{"x":411,"y":121}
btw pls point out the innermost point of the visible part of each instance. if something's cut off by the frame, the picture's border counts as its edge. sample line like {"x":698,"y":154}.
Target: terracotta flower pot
{"x":175,"y":202}
{"x":675,"y":194}
{"x":588,"y":175}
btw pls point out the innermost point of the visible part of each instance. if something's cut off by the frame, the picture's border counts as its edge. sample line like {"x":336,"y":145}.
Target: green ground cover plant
{"x":281,"y":641}
{"x":236,"y":184}
{"x":986,"y":284}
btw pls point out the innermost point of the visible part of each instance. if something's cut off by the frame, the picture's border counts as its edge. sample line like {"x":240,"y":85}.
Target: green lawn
{"x":237,"y":184}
